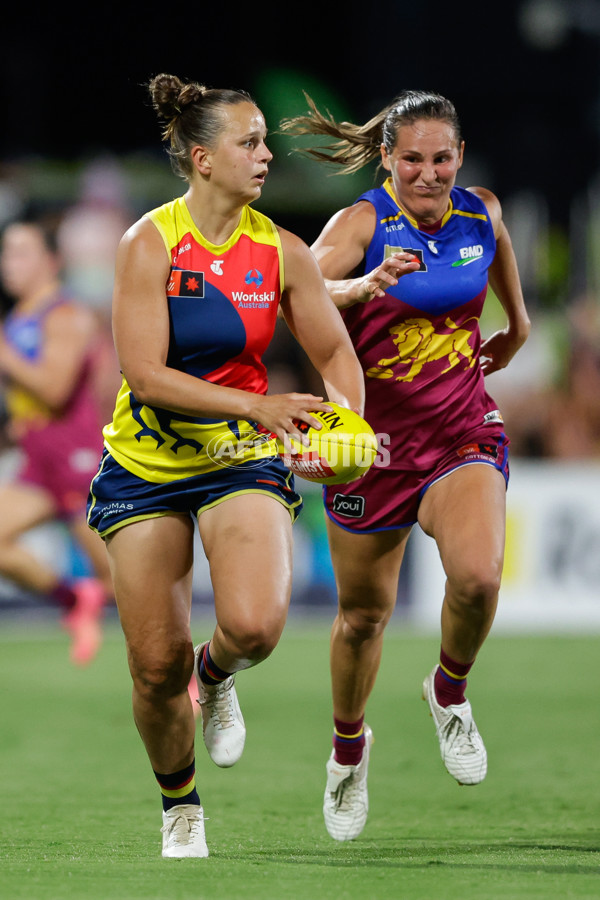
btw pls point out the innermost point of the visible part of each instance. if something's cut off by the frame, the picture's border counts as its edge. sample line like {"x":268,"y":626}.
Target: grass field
{"x":81,"y":812}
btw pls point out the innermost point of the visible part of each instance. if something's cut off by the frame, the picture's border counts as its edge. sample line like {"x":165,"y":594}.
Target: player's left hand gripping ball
{"x":342,"y":450}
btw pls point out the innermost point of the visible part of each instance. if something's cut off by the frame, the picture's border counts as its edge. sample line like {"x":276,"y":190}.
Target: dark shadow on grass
{"x":408,"y":856}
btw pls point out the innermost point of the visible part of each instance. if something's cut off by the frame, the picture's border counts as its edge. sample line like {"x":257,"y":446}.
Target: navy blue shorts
{"x":117,"y":497}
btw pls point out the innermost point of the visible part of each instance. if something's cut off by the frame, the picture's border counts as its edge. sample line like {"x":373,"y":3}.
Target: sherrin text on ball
{"x":342,"y":450}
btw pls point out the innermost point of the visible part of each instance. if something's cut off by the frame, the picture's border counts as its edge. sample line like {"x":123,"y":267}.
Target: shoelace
{"x":345,"y":791}
{"x":453,"y":728}
{"x":191,"y":823}
{"x":220,"y":706}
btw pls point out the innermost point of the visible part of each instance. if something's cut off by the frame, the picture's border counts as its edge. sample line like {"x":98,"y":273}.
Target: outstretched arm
{"x":341,"y":247}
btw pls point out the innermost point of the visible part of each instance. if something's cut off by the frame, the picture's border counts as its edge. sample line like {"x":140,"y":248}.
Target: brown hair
{"x":357,"y":145}
{"x":45,"y":222}
{"x":193,"y":115}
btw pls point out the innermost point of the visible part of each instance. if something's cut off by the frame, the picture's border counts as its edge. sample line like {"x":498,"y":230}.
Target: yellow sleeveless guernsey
{"x":222,"y":303}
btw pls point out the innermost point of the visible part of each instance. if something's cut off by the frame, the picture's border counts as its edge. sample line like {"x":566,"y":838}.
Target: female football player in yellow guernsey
{"x":409,"y":264}
{"x":198,"y":285}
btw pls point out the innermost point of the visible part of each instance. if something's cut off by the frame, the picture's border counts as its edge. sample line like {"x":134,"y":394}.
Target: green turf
{"x":81,"y":812}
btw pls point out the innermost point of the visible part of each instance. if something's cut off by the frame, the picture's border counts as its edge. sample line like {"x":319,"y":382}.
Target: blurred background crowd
{"x":550,"y":395}
{"x":83,"y":144}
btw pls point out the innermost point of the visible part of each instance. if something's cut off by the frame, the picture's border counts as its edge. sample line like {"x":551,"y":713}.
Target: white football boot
{"x":183,"y":832}
{"x":222,"y":721}
{"x":346,"y":801}
{"x":461,"y":746}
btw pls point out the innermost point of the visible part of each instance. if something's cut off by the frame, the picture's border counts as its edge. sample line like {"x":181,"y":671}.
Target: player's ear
{"x":201,"y":159}
{"x":385,"y":159}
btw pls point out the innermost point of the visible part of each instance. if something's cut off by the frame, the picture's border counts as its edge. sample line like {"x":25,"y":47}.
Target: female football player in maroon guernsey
{"x":48,"y":348}
{"x":408,"y":264}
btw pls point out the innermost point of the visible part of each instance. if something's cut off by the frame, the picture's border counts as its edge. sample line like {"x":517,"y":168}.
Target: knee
{"x":475,"y":588}
{"x":162,"y":674}
{"x":363,"y":624}
{"x":253,"y":643}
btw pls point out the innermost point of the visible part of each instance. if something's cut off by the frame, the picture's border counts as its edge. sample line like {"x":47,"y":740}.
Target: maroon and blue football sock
{"x":450,"y":681}
{"x":348,"y":741}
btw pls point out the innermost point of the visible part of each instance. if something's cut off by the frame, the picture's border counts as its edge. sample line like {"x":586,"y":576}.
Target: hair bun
{"x":190,"y":93}
{"x":171,"y":96}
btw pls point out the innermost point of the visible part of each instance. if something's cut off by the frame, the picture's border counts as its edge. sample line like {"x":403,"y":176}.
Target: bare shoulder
{"x":356,"y":221}
{"x":343,"y":242}
{"x":297,"y":256}
{"x":142,"y":258}
{"x":492,"y":204}
{"x":70,"y":319}
{"x":290,"y":242}
{"x":142,"y":234}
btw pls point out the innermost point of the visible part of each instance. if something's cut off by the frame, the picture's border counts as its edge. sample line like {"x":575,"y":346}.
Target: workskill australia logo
{"x":253,"y":299}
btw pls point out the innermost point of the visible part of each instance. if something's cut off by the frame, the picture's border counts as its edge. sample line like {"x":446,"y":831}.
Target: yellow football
{"x":342,"y":450}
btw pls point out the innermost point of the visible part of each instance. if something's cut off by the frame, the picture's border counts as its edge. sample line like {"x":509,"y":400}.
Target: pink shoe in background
{"x":194,"y":696}
{"x":84,"y":621}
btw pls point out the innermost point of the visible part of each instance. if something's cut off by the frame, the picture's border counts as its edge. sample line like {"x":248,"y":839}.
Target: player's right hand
{"x":386,"y":275}
{"x":280,"y":414}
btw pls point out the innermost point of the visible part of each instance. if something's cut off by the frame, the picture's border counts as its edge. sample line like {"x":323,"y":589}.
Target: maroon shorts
{"x":65,"y":472}
{"x":388,"y":497}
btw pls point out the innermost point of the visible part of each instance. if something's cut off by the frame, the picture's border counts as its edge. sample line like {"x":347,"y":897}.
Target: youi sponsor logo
{"x":352,"y":506}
